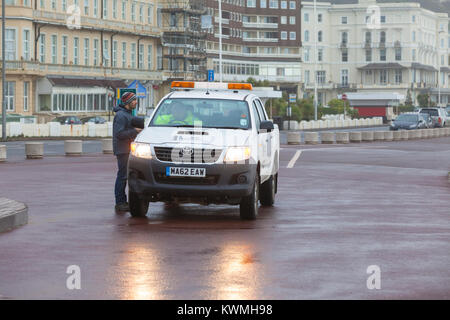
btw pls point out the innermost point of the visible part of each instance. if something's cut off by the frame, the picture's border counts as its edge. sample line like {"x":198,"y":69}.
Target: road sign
{"x":292,"y":98}
{"x":210,"y":75}
{"x":344,"y":97}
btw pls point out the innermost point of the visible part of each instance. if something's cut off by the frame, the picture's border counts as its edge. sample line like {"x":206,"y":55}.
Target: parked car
{"x":428,"y":120}
{"x":67,"y":120}
{"x":96,"y":119}
{"x":409,"y":121}
{"x":438,"y":115}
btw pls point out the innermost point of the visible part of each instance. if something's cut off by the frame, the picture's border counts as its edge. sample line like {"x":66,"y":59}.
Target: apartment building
{"x":375,"y":47}
{"x":70,"y":56}
{"x":260,"y":39}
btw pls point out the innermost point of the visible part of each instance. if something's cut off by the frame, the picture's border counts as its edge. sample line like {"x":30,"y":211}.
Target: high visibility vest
{"x":168,"y":119}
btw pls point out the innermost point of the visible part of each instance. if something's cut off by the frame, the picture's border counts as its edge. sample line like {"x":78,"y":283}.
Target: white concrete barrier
{"x":355,"y":136}
{"x":441,"y":132}
{"x":293,"y":125}
{"x":15,"y":129}
{"x":378,"y":136}
{"x":405,"y":134}
{"x":34,"y":150}
{"x":342,"y":137}
{"x":73,"y":147}
{"x":426,"y":133}
{"x":397,"y":135}
{"x":294,"y":138}
{"x":413,"y":134}
{"x":2,"y":153}
{"x":107,"y":146}
{"x":311,"y":137}
{"x":54,"y":129}
{"x":367,"y":136}
{"x":447,"y":132}
{"x":388,"y":135}
{"x":327,"y":137}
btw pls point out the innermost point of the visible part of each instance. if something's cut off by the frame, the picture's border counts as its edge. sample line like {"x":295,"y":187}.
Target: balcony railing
{"x":260,"y":25}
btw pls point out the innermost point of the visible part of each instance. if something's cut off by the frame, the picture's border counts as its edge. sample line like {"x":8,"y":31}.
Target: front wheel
{"x":268,"y":190}
{"x":138,"y":207}
{"x":249,"y":205}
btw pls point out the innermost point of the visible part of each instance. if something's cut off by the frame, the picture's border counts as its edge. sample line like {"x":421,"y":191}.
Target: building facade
{"x":374,"y":48}
{"x":70,"y":56}
{"x":260,"y":39}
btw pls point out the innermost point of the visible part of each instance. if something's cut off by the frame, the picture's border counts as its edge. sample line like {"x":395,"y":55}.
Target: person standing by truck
{"x":123,"y":134}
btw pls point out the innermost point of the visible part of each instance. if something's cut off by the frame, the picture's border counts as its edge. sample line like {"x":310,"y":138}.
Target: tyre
{"x":138,"y":207}
{"x":249,"y":205}
{"x":267,"y":192}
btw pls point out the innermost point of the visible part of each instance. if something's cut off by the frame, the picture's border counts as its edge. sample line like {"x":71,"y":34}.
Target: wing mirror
{"x":266,"y":125}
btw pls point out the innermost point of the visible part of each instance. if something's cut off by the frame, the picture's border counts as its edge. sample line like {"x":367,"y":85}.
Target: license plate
{"x":185,"y":172}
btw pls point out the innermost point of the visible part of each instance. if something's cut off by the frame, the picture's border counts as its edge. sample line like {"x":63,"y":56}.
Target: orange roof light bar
{"x":183,"y":84}
{"x":211,"y":85}
{"x":240,"y":86}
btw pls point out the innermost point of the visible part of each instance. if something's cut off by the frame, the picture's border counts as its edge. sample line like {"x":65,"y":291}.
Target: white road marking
{"x":294,"y":159}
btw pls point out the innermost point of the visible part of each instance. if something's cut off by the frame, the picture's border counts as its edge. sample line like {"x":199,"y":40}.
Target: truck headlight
{"x":236,"y":154}
{"x":141,"y":150}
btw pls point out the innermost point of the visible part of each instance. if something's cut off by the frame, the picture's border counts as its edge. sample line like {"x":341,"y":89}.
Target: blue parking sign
{"x":211,"y":75}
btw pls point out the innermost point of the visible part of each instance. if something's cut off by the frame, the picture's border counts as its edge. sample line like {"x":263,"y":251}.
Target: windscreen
{"x":207,"y":113}
{"x":431,"y":112}
{"x":407,"y":118}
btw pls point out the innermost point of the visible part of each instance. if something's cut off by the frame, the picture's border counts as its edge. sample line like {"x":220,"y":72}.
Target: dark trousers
{"x":121,"y":180}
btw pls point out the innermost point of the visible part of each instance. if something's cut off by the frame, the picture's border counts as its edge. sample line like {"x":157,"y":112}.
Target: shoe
{"x":122,"y":207}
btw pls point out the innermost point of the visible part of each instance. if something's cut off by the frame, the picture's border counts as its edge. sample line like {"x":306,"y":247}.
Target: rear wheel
{"x":249,"y":204}
{"x":268,"y":190}
{"x":138,"y":207}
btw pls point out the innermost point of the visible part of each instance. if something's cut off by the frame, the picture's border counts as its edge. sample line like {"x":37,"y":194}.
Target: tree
{"x":424,"y":100}
{"x":408,"y":101}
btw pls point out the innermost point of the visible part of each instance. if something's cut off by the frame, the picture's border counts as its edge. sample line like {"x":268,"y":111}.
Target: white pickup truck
{"x":206,"y":143}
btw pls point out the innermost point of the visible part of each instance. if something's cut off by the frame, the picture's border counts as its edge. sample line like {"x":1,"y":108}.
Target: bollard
{"x":388,"y":136}
{"x":293,"y":137}
{"x":34,"y":150}
{"x":355,"y":136}
{"x":327,"y":137}
{"x":2,"y":153}
{"x":397,"y":135}
{"x":378,"y":136}
{"x":73,"y":147}
{"x":107,"y":146}
{"x":405,"y":134}
{"x":367,"y":136}
{"x":311,"y":137}
{"x":342,"y":137}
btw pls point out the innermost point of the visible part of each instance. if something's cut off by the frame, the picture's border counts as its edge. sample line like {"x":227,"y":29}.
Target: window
{"x":383,"y":37}
{"x":398,"y":54}
{"x":344,"y":37}
{"x":383,"y":19}
{"x":105,"y":9}
{"x":124,"y":10}
{"x":383,"y":76}
{"x":95,"y":52}
{"x":54,"y":49}
{"x":344,"y":77}
{"x":106,"y":53}
{"x":413,"y":36}
{"x":10,"y":44}
{"x":64,"y":5}
{"x":273,"y":4}
{"x":320,"y":55}
{"x":95,"y":8}
{"x":368,"y":55}
{"x":292,"y":20}
{"x":114,"y":11}
{"x":251,"y":3}
{"x":320,"y":77}
{"x":383,"y":55}
{"x":292,"y":5}
{"x":64,"y":50}
{"x":10,"y":95}
{"x":114,"y":54}
{"x":124,"y":54}
{"x":283,"y":20}
{"x":141,"y":13}
{"x":86,"y":51}
{"x":76,"y":50}
{"x":150,"y":14}
{"x":141,"y":56}
{"x":306,"y":36}
{"x":283,"y":35}
{"x":398,"y":76}
{"x":292,"y":35}
{"x":133,"y":12}
{"x":26,"y":45}
{"x":86,"y":7}
{"x":263,"y":4}
{"x":283,"y":5}
{"x":306,"y":17}
{"x":414,"y":55}
{"x":26,"y":94}
{"x":319,"y":36}
{"x":42,"y":48}
{"x":368,"y":37}
{"x":307,"y":76}
{"x":53,"y":4}
{"x":306,"y":55}
{"x":319,"y":18}
{"x":344,"y":20}
{"x":133,"y":55}
{"x":149,"y":57}
{"x":344,"y":56}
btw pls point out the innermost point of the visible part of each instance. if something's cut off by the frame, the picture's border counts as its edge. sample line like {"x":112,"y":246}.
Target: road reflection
{"x":239,"y":273}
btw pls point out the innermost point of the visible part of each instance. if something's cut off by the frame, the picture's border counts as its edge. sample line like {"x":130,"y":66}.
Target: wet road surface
{"x":339,"y":210}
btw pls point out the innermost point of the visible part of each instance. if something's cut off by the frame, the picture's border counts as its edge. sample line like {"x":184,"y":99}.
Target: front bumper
{"x":224,"y":183}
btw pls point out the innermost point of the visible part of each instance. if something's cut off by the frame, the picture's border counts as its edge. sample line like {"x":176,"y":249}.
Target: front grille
{"x":183,"y":155}
{"x":208,"y":180}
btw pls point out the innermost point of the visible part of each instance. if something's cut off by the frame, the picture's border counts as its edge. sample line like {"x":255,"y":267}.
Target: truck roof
{"x":211,"y":94}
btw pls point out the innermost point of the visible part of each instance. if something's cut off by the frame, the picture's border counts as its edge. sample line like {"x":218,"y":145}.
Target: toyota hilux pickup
{"x":206,"y":143}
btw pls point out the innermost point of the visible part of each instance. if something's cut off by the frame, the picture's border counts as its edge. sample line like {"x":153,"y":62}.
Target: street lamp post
{"x":220,"y":41}
{"x":3,"y":75}
{"x":439,"y":70}
{"x":315,"y":60}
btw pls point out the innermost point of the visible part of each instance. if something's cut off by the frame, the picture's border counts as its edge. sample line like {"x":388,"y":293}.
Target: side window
{"x":256,"y":114}
{"x":261,"y":110}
